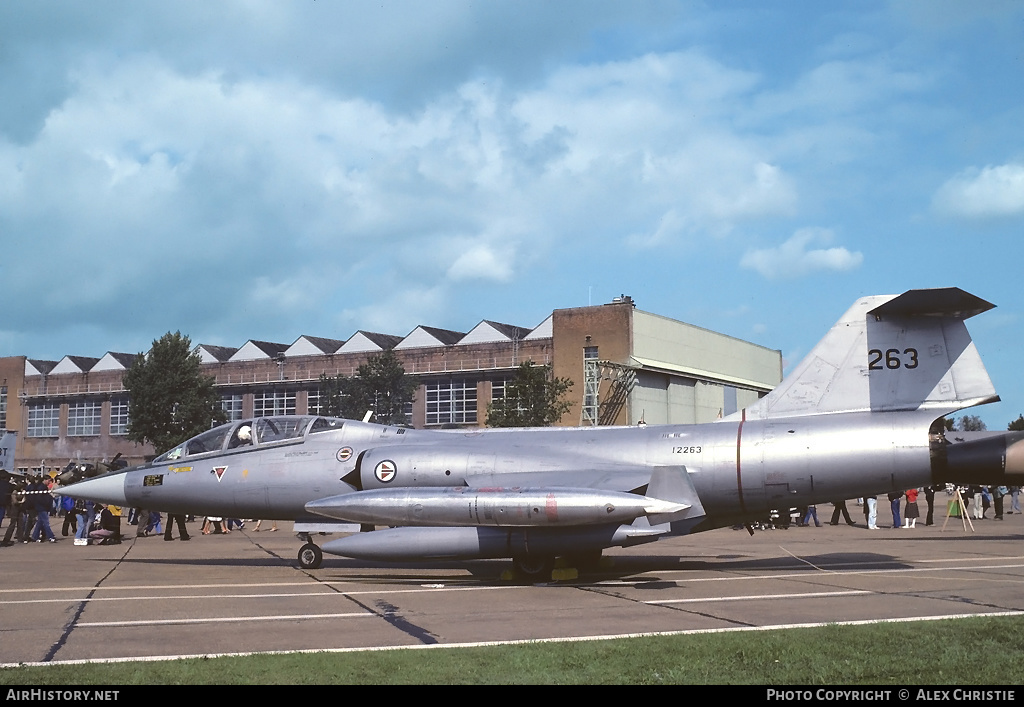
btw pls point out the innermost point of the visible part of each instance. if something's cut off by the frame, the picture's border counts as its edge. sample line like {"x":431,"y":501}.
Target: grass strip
{"x":980,"y":651}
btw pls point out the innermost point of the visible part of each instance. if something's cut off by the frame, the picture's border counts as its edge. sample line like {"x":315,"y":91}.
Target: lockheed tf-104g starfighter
{"x":861,"y":415}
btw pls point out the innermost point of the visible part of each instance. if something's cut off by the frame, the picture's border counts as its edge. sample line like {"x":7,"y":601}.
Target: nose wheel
{"x":310,"y":556}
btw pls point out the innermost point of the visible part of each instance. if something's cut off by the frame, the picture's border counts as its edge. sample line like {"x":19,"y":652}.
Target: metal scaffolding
{"x":621,"y":379}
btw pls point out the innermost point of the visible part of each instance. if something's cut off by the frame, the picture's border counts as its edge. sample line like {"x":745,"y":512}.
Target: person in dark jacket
{"x":40,"y":500}
{"x":109,"y":532}
{"x":929,"y":497}
{"x":998,"y":492}
{"x":178,"y":518}
{"x":67,"y":506}
{"x":85,"y":511}
{"x":840,"y":507}
{"x":17,"y":528}
{"x":894,"y":503}
{"x":6,"y":488}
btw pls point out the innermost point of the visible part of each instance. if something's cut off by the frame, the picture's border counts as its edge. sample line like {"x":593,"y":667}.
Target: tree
{"x":965,"y":423}
{"x":380,"y":384}
{"x":171,"y":399}
{"x":1017,"y":425}
{"x":970,"y":423}
{"x":385,"y":387}
{"x":339,"y":397}
{"x":533,"y":398}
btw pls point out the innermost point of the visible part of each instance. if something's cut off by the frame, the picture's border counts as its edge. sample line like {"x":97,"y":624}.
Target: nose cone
{"x":105,"y":489}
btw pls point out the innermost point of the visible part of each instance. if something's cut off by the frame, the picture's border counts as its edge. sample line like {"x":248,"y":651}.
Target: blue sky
{"x":266,"y":170}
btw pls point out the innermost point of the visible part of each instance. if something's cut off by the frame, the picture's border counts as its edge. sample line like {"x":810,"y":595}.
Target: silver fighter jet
{"x":861,"y":415}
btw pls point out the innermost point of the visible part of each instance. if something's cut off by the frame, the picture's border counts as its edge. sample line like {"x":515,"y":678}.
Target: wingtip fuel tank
{"x":499,"y":507}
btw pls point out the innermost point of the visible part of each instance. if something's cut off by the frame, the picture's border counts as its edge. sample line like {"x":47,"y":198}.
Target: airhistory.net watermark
{"x":39,"y":695}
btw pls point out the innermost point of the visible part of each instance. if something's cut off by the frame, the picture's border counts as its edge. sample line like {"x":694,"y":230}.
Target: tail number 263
{"x":892,"y":359}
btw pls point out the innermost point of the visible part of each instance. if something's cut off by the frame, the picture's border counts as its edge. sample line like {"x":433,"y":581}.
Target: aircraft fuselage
{"x":739,"y":468}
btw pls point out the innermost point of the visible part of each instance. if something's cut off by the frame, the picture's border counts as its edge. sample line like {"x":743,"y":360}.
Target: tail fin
{"x":7,"y":452}
{"x":889,"y":353}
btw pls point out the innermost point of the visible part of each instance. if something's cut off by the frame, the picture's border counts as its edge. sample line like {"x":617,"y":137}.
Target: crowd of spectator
{"x":31,"y":503}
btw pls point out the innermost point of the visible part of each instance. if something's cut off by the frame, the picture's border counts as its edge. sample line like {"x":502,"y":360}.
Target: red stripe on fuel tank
{"x":551,"y":508}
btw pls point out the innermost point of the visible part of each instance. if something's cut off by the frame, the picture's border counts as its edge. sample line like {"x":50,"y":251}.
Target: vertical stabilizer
{"x":890,"y":353}
{"x":7,"y":452}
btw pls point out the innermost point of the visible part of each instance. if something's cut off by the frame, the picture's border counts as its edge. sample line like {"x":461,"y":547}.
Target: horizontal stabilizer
{"x":943,"y":302}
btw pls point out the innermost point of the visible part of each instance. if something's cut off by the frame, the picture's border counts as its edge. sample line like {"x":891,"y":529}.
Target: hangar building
{"x":627,"y":366}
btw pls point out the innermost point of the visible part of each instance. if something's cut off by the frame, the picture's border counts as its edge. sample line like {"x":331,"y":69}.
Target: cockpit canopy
{"x":258,"y":432}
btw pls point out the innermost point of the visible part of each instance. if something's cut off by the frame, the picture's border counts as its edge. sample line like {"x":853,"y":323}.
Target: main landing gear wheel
{"x":533,"y":568}
{"x":310,"y":557}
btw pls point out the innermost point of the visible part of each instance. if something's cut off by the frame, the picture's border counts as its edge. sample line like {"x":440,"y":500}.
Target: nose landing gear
{"x":310,"y":555}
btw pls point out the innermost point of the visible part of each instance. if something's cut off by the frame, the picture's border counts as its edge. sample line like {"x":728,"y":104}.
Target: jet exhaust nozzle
{"x":993,"y":458}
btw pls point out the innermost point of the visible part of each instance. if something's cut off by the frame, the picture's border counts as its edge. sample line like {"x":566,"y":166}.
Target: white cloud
{"x":482,"y":263}
{"x":843,"y":88}
{"x":796,"y":258}
{"x":992,"y":192}
{"x":205,"y":177}
{"x":956,"y":16}
{"x":644,"y":143}
{"x":396,"y":311}
{"x":288,"y":295}
{"x":667,"y":228}
{"x":291,"y":153}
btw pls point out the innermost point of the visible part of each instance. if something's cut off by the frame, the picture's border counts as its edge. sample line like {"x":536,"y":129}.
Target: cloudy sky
{"x":264,"y":169}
